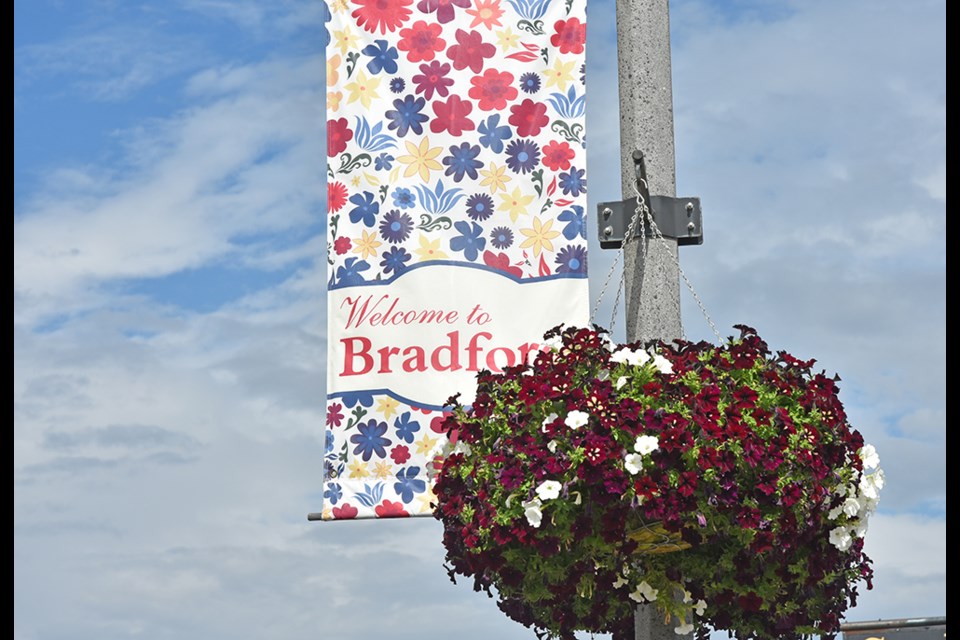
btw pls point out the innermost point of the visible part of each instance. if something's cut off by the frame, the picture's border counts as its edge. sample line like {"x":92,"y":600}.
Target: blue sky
{"x":169,"y":274}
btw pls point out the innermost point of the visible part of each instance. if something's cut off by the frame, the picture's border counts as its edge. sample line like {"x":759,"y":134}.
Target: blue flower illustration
{"x":348,"y":275}
{"x":523,"y":156}
{"x":363,"y":398}
{"x":370,"y":440}
{"x":492,"y":135}
{"x":366,"y":208}
{"x":470,"y":240}
{"x":406,"y":428}
{"x":462,"y":161}
{"x":406,"y":116}
{"x":501,"y":237}
{"x":395,"y":260}
{"x":572,"y":259}
{"x":573,"y":183}
{"x":576,"y":222}
{"x":328,"y":444}
{"x":408,"y":484}
{"x":333,"y":493}
{"x":404,"y":198}
{"x":479,"y":207}
{"x":397,"y":85}
{"x":383,"y":57}
{"x":396,"y":226}
{"x":530,"y":83}
{"x":383,"y":162}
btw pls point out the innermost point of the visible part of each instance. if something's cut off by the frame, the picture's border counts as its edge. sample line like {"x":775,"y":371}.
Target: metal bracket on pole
{"x":678,"y":218}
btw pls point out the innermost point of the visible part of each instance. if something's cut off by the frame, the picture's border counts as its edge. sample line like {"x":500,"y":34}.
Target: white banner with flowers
{"x":456,"y":200}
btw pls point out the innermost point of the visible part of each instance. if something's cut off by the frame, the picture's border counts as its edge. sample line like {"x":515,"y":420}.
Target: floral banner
{"x":456,"y":201}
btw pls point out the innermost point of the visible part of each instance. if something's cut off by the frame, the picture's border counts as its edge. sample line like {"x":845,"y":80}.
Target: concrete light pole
{"x":651,"y":276}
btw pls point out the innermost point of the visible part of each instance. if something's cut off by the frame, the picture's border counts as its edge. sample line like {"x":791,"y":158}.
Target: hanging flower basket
{"x":722,"y":484}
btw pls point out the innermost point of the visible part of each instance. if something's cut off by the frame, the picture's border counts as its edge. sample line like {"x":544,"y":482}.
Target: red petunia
{"x":493,"y":89}
{"x":388,"y":509}
{"x":557,"y":155}
{"x":346,"y":512}
{"x":342,"y":245}
{"x":528,"y":117}
{"x":422,"y":41}
{"x":570,"y":35}
{"x":470,"y":51}
{"x":452,"y":116}
{"x":385,"y":15}
{"x":338,"y":134}
{"x":336,"y":195}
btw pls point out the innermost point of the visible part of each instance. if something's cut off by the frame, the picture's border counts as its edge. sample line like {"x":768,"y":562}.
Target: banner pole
{"x":651,"y":274}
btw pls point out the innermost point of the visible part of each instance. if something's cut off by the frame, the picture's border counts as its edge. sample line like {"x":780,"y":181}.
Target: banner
{"x":456,"y":202}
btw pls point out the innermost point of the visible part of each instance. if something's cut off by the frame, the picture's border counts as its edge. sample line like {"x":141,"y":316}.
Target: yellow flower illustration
{"x":387,"y":406}
{"x":366,"y":245}
{"x":426,"y":445}
{"x":344,"y":40}
{"x":383,"y":470}
{"x":363,"y":89}
{"x":358,"y":469}
{"x":421,"y":159}
{"x":495,"y":177}
{"x":516,"y":203}
{"x":507,"y":39}
{"x":559,"y":74}
{"x":429,"y":249}
{"x":539,"y":237}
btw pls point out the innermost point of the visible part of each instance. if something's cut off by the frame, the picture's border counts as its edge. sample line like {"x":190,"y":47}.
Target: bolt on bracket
{"x":678,"y":218}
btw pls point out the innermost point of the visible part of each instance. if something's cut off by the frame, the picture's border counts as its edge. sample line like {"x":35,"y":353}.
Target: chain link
{"x":642,"y":214}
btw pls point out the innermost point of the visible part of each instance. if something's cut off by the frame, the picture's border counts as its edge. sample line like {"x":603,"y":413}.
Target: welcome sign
{"x":456,"y":200}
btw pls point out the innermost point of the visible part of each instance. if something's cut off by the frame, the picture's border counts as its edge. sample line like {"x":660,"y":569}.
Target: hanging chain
{"x":676,"y":261}
{"x":642,"y":214}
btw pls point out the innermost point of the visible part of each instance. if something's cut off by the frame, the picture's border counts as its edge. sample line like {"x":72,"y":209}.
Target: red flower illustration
{"x":338,"y":134}
{"x":421,"y":41}
{"x":470,"y":51}
{"x":433,"y":78}
{"x":501,"y":262}
{"x":345,"y":512}
{"x":387,"y":509}
{"x":493,"y":89}
{"x":528,"y":117}
{"x":557,"y":155}
{"x":400,"y":454}
{"x":452,"y":116}
{"x":385,"y":15}
{"x":342,"y":245}
{"x":336,"y":194}
{"x":570,"y":35}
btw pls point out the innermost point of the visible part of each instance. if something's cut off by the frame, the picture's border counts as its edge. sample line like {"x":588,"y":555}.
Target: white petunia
{"x":549,"y":490}
{"x":851,"y":507}
{"x":834,"y":513}
{"x":684,"y":629}
{"x":633,"y":462}
{"x":552,"y":446}
{"x":646,"y":444}
{"x":662,"y":364}
{"x":531,"y":509}
{"x":576,"y":419}
{"x":631,"y":357}
{"x":547,"y":420}
{"x":644,"y":593}
{"x":700,"y":607}
{"x":871,"y":484}
{"x":622,"y":380}
{"x":869,"y":456}
{"x":840,"y":538}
